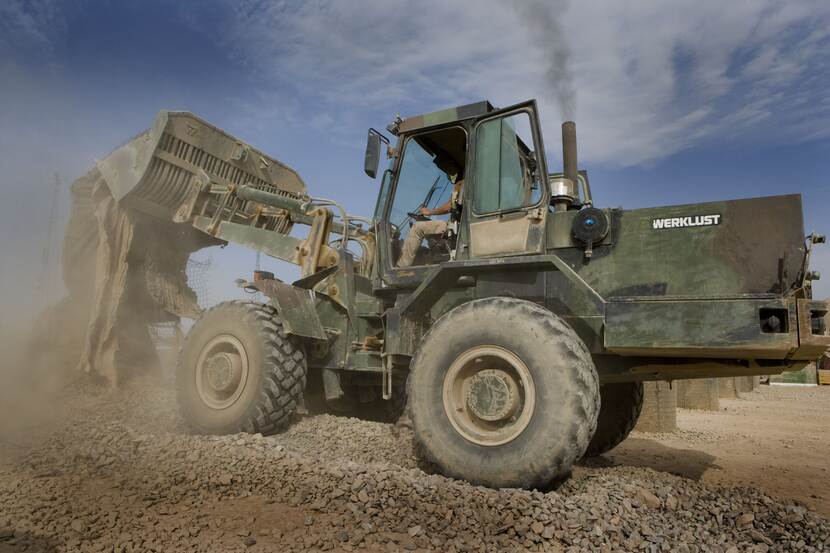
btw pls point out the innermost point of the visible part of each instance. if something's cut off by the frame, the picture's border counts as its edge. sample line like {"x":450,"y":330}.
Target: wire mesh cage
{"x":197,"y":278}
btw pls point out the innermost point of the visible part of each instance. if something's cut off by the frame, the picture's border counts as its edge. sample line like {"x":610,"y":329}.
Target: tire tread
{"x":581,"y":371}
{"x":284,"y":370}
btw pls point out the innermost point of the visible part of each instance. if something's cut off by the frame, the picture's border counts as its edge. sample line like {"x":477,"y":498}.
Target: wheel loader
{"x":513,"y":318}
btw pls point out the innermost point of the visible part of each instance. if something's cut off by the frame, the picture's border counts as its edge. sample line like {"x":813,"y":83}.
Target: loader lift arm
{"x":186,"y":170}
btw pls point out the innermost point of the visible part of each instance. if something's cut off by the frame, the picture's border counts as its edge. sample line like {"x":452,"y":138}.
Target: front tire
{"x":239,"y":371}
{"x":503,"y":393}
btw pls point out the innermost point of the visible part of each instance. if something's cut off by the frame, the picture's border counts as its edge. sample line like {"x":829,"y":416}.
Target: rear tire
{"x":621,"y":407}
{"x":502,"y":393}
{"x":239,"y":371}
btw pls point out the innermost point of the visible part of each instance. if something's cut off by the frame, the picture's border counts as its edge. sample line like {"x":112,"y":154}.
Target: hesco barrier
{"x":743,"y":384}
{"x":727,"y":389}
{"x":700,"y":394}
{"x":659,"y":408}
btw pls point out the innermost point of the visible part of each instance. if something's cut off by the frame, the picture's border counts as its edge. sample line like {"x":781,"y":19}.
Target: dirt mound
{"x":118,"y":470}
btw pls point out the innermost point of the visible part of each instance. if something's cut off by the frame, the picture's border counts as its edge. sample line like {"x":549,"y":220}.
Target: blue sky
{"x":674,"y":102}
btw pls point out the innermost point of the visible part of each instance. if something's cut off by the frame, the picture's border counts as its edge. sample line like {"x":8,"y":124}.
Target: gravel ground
{"x":775,"y":439}
{"x":117,"y":472}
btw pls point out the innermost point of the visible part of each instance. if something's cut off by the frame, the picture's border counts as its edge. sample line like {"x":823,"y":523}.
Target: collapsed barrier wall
{"x":123,"y":271}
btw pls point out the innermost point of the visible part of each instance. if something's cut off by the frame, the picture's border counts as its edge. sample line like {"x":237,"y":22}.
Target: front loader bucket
{"x":156,"y":171}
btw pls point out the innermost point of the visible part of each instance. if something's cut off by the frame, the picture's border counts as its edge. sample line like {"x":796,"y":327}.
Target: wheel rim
{"x":489,"y":395}
{"x":221,"y":371}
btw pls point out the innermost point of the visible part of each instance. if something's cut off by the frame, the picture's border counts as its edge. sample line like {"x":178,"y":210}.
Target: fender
{"x":296,"y":307}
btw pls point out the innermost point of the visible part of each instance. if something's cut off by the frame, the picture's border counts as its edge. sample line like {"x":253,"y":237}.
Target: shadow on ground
{"x":12,"y":541}
{"x":641,"y":452}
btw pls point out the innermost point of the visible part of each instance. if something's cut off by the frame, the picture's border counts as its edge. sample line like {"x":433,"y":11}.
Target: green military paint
{"x":665,"y":287}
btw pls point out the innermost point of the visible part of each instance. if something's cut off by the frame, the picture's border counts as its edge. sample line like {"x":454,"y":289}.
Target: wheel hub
{"x":489,"y":395}
{"x":492,"y":395}
{"x":223,"y":370}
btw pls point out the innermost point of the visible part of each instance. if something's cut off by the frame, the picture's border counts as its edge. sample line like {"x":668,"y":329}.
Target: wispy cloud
{"x":651,"y":78}
{"x":28,"y":28}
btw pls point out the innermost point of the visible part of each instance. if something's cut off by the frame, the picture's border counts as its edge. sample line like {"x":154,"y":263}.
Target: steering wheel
{"x":417,"y":216}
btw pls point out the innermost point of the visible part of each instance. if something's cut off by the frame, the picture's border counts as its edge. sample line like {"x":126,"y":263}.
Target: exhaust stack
{"x":563,"y":190}
{"x":569,"y":151}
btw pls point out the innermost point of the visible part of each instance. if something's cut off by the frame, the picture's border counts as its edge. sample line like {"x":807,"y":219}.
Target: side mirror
{"x":372,"y":157}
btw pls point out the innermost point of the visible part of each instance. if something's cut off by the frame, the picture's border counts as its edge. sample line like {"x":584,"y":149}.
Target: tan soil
{"x":776,"y":439}
{"x":103,"y":471}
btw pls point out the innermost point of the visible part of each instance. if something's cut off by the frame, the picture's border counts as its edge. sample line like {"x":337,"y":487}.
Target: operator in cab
{"x":422,"y":229}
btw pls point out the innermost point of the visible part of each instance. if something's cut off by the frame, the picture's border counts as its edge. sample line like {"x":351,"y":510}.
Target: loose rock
{"x":124,"y":474}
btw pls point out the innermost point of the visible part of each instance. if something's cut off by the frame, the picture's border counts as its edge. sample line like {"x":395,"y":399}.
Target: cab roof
{"x":435,"y":118}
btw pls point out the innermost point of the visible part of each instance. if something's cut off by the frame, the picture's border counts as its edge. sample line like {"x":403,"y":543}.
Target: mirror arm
{"x":380,"y":135}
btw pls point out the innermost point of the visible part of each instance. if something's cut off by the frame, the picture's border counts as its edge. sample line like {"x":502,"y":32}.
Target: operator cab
{"x":427,"y":197}
{"x":469,"y":183}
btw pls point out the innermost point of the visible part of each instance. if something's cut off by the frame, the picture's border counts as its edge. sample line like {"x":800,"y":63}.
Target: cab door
{"x":505,"y":194}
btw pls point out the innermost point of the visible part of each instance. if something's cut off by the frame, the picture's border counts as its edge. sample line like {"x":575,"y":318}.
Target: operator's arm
{"x":445,"y":207}
{"x":439,"y":210}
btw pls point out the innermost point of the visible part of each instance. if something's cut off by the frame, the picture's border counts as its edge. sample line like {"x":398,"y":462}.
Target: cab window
{"x":431,"y":167}
{"x":385,"y":184}
{"x":421,"y":184}
{"x":505,"y":175}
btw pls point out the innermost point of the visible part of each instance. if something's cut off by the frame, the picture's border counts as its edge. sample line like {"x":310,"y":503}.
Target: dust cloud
{"x":543,"y":21}
{"x":51,"y":296}
{"x":33,"y":371}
